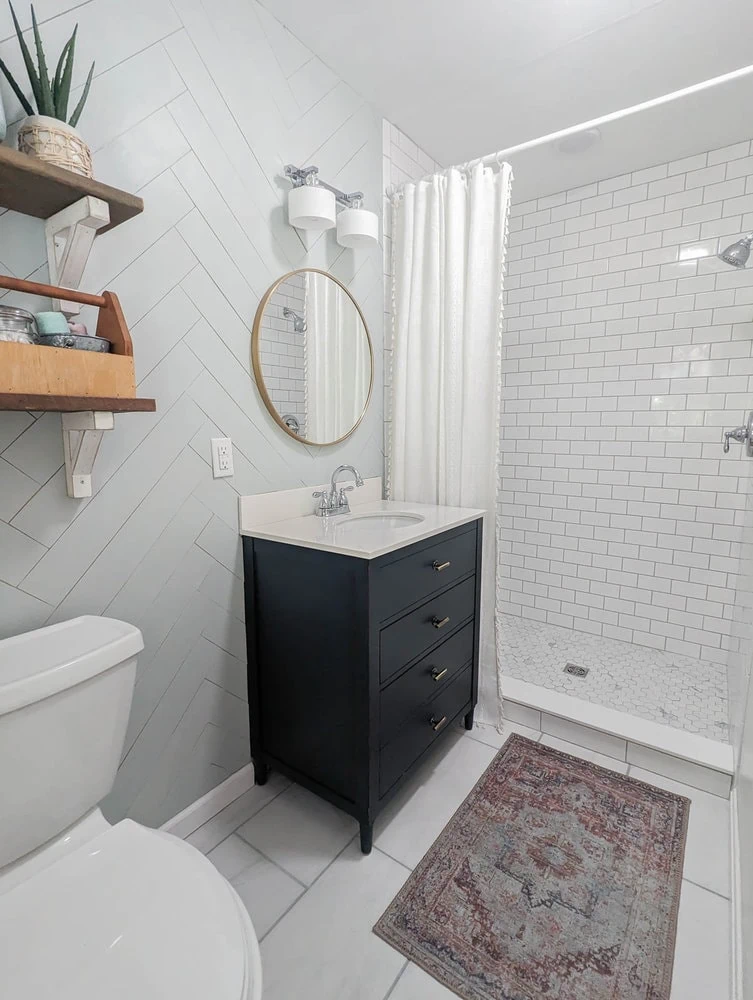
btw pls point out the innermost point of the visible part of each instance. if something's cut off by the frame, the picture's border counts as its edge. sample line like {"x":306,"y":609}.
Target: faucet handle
{"x":326,"y":500}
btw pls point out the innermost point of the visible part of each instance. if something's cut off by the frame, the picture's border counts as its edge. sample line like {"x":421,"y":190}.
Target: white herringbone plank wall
{"x":196,"y":107}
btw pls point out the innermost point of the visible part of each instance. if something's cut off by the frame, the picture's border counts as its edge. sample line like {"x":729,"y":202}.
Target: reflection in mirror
{"x":312,"y":357}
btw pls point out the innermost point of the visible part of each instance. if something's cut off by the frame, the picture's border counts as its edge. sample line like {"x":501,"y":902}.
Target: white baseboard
{"x":201,"y":811}
{"x":736,"y":916}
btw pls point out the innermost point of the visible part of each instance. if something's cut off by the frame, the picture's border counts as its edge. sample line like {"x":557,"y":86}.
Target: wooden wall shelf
{"x":86,"y":387}
{"x":74,"y":404}
{"x":32,"y":187}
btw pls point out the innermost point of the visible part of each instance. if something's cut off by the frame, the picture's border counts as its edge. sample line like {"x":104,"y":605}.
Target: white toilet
{"x":89,"y":910}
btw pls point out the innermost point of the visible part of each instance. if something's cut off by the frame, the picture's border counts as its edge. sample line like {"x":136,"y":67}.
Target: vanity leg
{"x":367,"y":836}
{"x":469,"y":720}
{"x":261,"y":771}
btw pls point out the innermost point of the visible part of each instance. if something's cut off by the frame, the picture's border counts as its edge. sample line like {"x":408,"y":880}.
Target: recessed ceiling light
{"x":579,"y":142}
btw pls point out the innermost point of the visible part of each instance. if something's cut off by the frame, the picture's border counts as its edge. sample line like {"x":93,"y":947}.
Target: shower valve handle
{"x":742,"y":435}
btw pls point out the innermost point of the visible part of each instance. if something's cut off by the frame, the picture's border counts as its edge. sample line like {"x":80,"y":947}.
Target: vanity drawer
{"x":424,"y":680}
{"x":401,"y":583}
{"x":405,"y":639}
{"x":422,"y":727}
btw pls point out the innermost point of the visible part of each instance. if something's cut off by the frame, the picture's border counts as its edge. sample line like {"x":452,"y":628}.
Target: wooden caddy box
{"x":32,"y":370}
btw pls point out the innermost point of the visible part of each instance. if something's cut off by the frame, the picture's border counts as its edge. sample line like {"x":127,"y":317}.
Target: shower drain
{"x":575,"y":670}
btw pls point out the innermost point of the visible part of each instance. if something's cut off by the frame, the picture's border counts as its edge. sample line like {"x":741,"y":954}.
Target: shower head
{"x":299,"y":321}
{"x":736,"y":255}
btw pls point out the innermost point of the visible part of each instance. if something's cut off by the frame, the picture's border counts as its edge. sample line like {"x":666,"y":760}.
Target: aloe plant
{"x":51,"y":95}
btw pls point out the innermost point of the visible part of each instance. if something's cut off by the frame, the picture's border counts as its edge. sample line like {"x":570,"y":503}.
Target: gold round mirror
{"x":312,"y":357}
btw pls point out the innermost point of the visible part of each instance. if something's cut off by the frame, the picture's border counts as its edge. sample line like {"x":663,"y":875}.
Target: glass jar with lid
{"x":17,"y":325}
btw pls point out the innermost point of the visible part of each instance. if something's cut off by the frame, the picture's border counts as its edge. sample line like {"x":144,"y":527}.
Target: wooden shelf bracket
{"x":69,"y":235}
{"x":82,"y":436}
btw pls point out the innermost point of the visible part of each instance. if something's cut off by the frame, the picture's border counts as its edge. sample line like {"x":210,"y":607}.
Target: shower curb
{"x":686,"y":757}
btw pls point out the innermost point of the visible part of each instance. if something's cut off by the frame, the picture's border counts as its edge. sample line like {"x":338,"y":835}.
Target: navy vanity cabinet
{"x":357,"y":667}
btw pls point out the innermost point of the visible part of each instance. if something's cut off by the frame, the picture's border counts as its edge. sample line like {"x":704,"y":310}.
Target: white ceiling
{"x":467,"y":77}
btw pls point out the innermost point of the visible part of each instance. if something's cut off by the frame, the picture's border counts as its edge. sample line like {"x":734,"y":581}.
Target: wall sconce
{"x":312,"y":205}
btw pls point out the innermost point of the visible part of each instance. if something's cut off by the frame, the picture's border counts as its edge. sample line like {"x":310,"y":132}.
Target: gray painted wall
{"x":198,"y":113}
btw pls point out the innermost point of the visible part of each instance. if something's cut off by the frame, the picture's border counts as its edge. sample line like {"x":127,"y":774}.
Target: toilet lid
{"x":133,"y":913}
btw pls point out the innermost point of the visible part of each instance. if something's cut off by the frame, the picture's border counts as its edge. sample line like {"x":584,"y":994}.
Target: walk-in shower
{"x":627,"y":352}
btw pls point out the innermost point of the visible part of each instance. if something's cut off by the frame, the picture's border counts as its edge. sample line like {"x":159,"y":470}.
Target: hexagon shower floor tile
{"x":675,"y":690}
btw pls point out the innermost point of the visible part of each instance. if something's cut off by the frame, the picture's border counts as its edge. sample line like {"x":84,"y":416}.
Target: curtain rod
{"x":496,"y":158}
{"x":493,"y":159}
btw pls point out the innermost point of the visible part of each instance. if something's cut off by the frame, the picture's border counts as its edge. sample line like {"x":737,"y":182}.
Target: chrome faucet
{"x":334,"y":501}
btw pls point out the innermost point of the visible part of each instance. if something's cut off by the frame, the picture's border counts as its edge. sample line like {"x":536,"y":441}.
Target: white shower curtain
{"x":337,"y":361}
{"x":449,"y":234}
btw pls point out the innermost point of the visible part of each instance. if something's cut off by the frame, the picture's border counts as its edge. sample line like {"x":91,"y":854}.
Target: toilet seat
{"x":131,"y":913}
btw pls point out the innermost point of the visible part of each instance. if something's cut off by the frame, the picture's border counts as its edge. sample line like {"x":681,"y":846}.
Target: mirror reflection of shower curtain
{"x":337,"y":363}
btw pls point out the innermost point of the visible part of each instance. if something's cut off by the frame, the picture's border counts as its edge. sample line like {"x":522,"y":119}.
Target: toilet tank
{"x":65,"y":695}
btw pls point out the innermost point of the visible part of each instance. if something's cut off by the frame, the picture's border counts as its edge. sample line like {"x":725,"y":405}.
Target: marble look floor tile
{"x":413,"y":820}
{"x":267,"y":892}
{"x":215,"y":830}
{"x":300,"y":832}
{"x":702,"y":954}
{"x":415,"y":984}
{"x":494,"y":738}
{"x":324,"y":948}
{"x":232,"y":856}
{"x":707,"y":850}
{"x":585,"y":754}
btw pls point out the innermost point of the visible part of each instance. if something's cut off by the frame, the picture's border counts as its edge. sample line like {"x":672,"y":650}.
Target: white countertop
{"x":364,"y":538}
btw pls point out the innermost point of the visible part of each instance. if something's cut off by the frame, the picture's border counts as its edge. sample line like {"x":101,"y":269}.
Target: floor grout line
{"x":399,"y":976}
{"x":235,"y":829}
{"x":397,"y":862}
{"x":270,"y":860}
{"x":296,"y":901}
{"x":706,"y":888}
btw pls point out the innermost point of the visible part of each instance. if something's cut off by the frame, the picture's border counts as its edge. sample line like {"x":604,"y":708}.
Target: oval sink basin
{"x":381,"y":520}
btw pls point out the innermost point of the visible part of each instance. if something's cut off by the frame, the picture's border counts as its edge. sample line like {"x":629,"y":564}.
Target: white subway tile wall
{"x":402,"y":161}
{"x":628,"y":348}
{"x":283,"y":348}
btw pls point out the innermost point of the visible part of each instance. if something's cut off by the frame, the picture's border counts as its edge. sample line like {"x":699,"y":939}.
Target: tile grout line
{"x":303,"y":894}
{"x":235,"y":829}
{"x":399,"y":976}
{"x":705,"y":888}
{"x":387,"y":855}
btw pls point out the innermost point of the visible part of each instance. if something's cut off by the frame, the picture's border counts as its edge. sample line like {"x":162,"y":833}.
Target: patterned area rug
{"x":556,"y":878}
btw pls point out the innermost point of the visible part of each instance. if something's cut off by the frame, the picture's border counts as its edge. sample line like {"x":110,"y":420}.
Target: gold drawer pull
{"x":438,"y":566}
{"x":440,"y":622}
{"x":436,"y":724}
{"x":437,"y":675}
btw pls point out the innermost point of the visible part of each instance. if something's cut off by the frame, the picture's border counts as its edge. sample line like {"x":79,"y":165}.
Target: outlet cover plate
{"x":222,"y":457}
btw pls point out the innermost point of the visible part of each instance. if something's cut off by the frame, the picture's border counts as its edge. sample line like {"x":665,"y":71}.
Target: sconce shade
{"x":356,"y":227}
{"x":311,"y":207}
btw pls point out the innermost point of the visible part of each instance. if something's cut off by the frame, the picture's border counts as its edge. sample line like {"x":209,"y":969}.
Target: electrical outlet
{"x":222,"y":457}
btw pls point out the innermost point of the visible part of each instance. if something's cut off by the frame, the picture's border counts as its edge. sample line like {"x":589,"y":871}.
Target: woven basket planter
{"x":55,"y":142}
